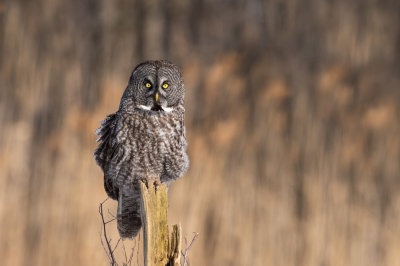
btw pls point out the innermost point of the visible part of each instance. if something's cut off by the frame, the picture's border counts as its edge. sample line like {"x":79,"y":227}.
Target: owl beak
{"x":156,"y":96}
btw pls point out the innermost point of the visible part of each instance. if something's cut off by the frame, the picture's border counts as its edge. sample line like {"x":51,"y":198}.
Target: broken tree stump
{"x":158,"y":247}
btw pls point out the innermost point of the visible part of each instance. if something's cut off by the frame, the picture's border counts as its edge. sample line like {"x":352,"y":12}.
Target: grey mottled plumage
{"x":145,"y":138}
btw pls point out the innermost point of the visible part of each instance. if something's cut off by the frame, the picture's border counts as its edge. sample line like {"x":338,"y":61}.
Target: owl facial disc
{"x":156,"y":86}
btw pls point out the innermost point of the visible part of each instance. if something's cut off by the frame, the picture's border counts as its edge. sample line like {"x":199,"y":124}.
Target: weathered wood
{"x":158,"y":249}
{"x":175,"y":246}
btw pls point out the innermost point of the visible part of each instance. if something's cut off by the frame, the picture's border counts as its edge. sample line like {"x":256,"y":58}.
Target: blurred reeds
{"x":293,"y":126}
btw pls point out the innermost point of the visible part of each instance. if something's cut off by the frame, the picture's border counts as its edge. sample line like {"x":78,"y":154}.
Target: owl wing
{"x":107,"y":150}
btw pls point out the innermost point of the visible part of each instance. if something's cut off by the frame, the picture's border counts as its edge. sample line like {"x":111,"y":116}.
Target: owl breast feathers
{"x":145,"y":138}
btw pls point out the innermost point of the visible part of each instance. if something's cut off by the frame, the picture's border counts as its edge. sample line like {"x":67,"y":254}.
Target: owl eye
{"x":165,"y":85}
{"x":148,"y":85}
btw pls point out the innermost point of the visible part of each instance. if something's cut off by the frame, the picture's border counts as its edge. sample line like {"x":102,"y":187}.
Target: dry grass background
{"x":292,"y":119}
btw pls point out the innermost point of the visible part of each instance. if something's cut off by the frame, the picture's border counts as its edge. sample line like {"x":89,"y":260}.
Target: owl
{"x":144,"y":139}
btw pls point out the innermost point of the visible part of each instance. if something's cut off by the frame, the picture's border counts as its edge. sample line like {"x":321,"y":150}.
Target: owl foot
{"x":157,"y":183}
{"x":145,"y":181}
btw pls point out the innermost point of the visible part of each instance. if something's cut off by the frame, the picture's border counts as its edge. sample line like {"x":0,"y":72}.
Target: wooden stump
{"x":159,"y":249}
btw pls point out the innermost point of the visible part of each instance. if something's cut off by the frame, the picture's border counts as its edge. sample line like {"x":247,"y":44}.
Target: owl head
{"x":154,"y":86}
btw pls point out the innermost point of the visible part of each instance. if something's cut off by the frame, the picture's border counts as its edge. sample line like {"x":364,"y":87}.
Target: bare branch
{"x":116,"y":245}
{"x":126,"y":258}
{"x":133,"y":251}
{"x":110,"y":221}
{"x":102,"y":243}
{"x":191,"y":242}
{"x":110,"y":251}
{"x":104,"y":201}
{"x":185,"y":253}
{"x":112,"y":215}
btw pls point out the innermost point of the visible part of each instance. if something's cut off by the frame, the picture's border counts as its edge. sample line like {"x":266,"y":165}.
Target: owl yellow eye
{"x":165,"y":85}
{"x":148,"y":85}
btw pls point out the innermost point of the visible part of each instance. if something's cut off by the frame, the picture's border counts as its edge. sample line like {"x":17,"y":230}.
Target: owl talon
{"x":145,"y":181}
{"x":157,"y":183}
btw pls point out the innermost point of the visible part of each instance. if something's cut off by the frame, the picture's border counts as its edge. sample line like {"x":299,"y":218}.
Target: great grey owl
{"x":145,"y":138}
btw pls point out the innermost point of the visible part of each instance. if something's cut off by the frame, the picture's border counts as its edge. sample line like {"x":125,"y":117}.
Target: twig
{"x":110,"y":254}
{"x":116,"y":245}
{"x":185,"y":254}
{"x":112,"y":215}
{"x":102,"y":243}
{"x":104,"y":201}
{"x":110,"y":221}
{"x":133,"y":251}
{"x":126,"y":258}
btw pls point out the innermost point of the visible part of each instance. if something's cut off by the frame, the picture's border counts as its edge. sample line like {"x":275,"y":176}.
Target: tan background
{"x":292,"y":122}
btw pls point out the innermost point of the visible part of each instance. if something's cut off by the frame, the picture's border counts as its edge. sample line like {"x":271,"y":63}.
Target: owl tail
{"x":129,"y":214}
